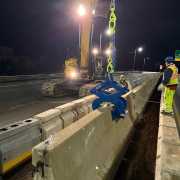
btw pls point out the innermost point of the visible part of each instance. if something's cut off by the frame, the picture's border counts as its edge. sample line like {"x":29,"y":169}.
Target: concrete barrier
{"x":50,"y":122}
{"x":133,"y":79}
{"x":16,"y":142}
{"x":85,"y":150}
{"x":141,"y":95}
{"x":89,"y":148}
{"x":54,"y":120}
{"x":79,"y":107}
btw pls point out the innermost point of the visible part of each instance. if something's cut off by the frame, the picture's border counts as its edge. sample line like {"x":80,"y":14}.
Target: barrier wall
{"x":89,"y":148}
{"x":133,"y":79}
{"x":54,"y":120}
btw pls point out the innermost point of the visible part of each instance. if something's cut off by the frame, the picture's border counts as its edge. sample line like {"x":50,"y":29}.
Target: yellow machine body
{"x":71,"y":68}
{"x":86,"y":26}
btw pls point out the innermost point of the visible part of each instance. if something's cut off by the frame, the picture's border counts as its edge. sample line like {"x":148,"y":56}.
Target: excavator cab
{"x":71,"y":70}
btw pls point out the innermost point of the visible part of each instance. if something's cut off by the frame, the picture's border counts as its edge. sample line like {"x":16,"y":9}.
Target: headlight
{"x":74,"y":75}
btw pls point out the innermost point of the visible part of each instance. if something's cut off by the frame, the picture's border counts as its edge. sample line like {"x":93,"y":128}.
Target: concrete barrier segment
{"x":84,"y":150}
{"x":56,"y":119}
{"x":50,"y":122}
{"x":88,"y":148}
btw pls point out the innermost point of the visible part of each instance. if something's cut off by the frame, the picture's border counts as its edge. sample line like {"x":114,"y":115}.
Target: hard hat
{"x":169,"y":59}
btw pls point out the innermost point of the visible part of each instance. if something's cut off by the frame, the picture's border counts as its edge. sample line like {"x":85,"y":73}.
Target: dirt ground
{"x":139,"y":161}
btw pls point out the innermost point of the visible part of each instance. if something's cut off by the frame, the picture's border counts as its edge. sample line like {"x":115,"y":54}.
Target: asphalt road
{"x":15,"y":94}
{"x":22,"y":100}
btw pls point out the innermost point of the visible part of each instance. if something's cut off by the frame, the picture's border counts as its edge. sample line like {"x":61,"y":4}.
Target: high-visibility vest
{"x":174,"y":78}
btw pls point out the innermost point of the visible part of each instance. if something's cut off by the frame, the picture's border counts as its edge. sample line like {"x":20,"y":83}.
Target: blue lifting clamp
{"x":115,"y":97}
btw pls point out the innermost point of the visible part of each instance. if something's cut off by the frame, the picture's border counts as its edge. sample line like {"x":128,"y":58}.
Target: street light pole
{"x":146,"y":58}
{"x":79,"y":36}
{"x":100,"y":42}
{"x":134,"y":62}
{"x":81,"y":11}
{"x":144,"y":64}
{"x":139,"y":49}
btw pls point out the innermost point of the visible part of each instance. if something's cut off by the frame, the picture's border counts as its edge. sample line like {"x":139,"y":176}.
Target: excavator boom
{"x":86,"y":27}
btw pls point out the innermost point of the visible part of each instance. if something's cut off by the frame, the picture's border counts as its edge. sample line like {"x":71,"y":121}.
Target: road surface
{"x":22,"y":100}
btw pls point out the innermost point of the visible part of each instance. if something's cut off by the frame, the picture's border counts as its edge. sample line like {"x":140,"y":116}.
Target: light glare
{"x":73,"y":75}
{"x":81,"y":10}
{"x":108,"y":32}
{"x":108,"y":52}
{"x":95,"y":51}
{"x":140,"y":49}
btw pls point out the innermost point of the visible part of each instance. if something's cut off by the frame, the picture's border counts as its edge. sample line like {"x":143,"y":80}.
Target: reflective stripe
{"x":7,"y":166}
{"x":174,"y":77}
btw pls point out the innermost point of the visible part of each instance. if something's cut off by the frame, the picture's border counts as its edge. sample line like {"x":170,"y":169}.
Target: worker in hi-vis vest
{"x":169,"y":82}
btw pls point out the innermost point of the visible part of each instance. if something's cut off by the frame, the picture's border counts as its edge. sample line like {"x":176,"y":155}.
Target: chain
{"x":112,"y":19}
{"x":110,"y":66}
{"x":112,"y":28}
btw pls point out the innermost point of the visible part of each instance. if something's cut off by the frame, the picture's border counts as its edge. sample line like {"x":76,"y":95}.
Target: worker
{"x":169,"y":84}
{"x":123,"y":81}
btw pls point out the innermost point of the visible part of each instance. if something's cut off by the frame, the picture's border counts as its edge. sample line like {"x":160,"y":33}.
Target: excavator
{"x":75,"y":76}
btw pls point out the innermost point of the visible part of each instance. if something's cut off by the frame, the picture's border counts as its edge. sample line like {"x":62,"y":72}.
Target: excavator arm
{"x":54,"y":88}
{"x":86,"y":27}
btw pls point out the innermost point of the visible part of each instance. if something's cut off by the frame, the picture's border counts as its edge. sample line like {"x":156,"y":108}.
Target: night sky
{"x":48,"y":28}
